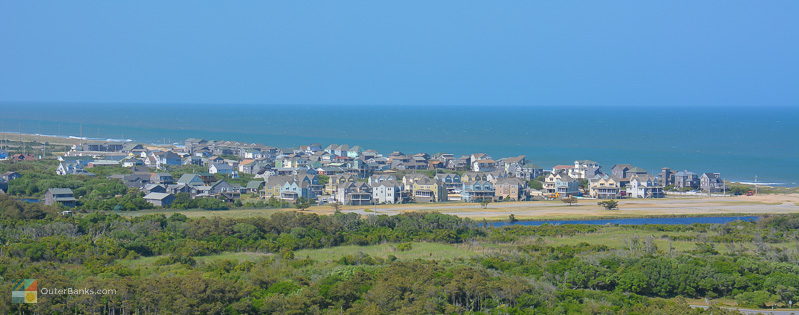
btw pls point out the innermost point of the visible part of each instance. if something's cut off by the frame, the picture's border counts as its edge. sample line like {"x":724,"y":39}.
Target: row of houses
{"x":229,"y":157}
{"x":388,"y":189}
{"x":5,"y":156}
{"x":293,"y":173}
{"x":624,"y":181}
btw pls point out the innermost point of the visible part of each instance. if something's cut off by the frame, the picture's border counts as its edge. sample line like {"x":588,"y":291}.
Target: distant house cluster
{"x":628,"y":181}
{"x":5,"y":156}
{"x":350,"y":175}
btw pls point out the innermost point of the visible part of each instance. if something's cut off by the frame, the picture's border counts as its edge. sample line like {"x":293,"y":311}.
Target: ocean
{"x":738,"y":142}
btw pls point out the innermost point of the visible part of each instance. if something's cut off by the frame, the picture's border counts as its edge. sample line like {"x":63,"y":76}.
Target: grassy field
{"x":420,"y":250}
{"x":620,"y":237}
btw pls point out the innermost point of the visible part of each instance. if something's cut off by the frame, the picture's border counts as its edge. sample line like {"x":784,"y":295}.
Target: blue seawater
{"x":738,"y":142}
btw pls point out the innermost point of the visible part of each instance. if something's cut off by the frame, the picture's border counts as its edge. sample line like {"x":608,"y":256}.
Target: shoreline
{"x":71,"y":140}
{"x":5,"y":134}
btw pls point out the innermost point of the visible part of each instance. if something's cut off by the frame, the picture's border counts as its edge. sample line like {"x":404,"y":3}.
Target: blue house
{"x":477,"y":191}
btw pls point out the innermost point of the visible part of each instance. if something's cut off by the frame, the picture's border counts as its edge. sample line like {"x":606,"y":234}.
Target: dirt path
{"x":588,"y":208}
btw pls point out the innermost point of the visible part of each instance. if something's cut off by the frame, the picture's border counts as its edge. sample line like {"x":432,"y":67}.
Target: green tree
{"x":302,"y":203}
{"x":738,"y":189}
{"x":583,"y":183}
{"x":323,"y":179}
{"x":609,"y":204}
{"x":336,"y":207}
{"x":570,"y":200}
{"x":535,"y":184}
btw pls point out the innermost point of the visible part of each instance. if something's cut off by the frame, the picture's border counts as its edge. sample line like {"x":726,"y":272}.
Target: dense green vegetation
{"x":413,"y":263}
{"x":93,"y":192}
{"x":102,"y":193}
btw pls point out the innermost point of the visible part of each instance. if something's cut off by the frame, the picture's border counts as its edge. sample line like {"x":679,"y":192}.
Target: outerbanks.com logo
{"x":24,"y":291}
{"x":27,"y":291}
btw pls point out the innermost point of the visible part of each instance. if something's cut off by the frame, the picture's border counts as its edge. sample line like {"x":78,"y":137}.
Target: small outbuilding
{"x":160,"y":199}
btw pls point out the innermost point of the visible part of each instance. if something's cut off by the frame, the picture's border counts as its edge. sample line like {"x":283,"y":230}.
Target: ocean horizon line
{"x":267,"y":104}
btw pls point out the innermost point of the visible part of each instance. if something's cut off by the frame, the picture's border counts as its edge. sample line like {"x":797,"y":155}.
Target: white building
{"x":644,"y":186}
{"x":584,"y":169}
{"x":387,"y":191}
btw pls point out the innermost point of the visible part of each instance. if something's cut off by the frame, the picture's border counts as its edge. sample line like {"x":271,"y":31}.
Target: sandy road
{"x":586,"y":208}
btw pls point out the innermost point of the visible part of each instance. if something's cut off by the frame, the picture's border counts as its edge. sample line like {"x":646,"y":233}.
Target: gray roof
{"x":509,"y":181}
{"x":223,"y":166}
{"x":151,"y":186}
{"x":60,"y":191}
{"x":642,"y":177}
{"x":156,"y":196}
{"x":426,"y":181}
{"x":255,"y":184}
{"x":387,"y":183}
{"x":186,"y":178}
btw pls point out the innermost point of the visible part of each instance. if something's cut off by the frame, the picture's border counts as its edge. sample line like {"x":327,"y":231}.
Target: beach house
{"x":354,"y":193}
{"x":510,"y":188}
{"x":604,"y":187}
{"x":711,"y":182}
{"x":686,"y":180}
{"x":477,"y":191}
{"x":644,"y":186}
{"x":584,"y":169}
{"x":425,"y":189}
{"x":386,"y":191}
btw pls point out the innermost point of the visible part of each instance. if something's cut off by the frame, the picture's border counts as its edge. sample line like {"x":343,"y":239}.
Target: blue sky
{"x":603,"y":53}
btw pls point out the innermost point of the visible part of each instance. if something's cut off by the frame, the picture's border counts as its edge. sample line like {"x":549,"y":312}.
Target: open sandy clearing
{"x":586,"y":208}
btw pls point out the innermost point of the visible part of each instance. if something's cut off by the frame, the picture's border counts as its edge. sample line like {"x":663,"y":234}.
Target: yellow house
{"x":428,"y":190}
{"x":604,"y":187}
{"x":337,"y":181}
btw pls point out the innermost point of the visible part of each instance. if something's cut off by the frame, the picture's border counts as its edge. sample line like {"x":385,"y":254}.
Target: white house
{"x":387,"y":191}
{"x":220,"y":168}
{"x":485,"y":165}
{"x":584,"y":169}
{"x":644,"y":186}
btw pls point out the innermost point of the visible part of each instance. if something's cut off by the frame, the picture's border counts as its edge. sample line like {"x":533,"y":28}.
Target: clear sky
{"x":660,"y":53}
